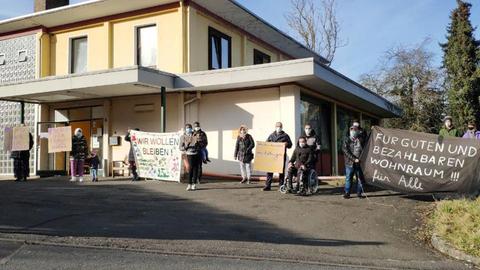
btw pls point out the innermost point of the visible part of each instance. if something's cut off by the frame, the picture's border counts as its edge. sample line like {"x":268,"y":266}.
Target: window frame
{"x":212,"y":32}
{"x":263,"y":55}
{"x":71,"y":54}
{"x":137,"y":39}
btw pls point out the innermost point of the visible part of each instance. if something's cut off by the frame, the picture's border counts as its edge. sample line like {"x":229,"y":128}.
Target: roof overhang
{"x":306,"y":72}
{"x":92,"y":85}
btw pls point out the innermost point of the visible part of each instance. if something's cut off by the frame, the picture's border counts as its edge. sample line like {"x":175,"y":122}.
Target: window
{"x":219,"y":50}
{"x":78,"y":55}
{"x":22,"y":56}
{"x":260,"y":57}
{"x":2,"y":59}
{"x":147,"y":46}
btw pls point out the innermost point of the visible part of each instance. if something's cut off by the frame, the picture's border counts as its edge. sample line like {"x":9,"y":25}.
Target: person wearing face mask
{"x":131,"y":157}
{"x":313,"y":141}
{"x":77,"y":155}
{"x":21,"y":161}
{"x":190,"y":146}
{"x":203,"y":142}
{"x":278,"y":136}
{"x":352,"y":149}
{"x":244,"y":153}
{"x":472,"y":132}
{"x":449,"y":129}
{"x":302,"y":160}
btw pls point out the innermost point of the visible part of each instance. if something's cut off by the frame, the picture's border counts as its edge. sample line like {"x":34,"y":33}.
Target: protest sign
{"x":157,"y":155}
{"x":20,"y":139}
{"x":269,"y":157}
{"x":7,"y":139}
{"x":60,"y":139}
{"x":414,"y":162}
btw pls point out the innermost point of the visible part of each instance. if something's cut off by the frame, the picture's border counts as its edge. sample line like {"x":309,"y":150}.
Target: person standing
{"x":131,"y":156}
{"x":244,"y":153}
{"x":21,"y":161}
{"x":279,"y":136}
{"x":472,"y":132}
{"x":352,"y":149}
{"x":190,"y":146}
{"x":202,"y":142}
{"x":313,"y":141}
{"x":94,"y":163}
{"x":449,"y":129}
{"x":78,"y":155}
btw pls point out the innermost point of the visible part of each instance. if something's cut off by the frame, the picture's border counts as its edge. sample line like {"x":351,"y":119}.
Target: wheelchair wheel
{"x":312,"y":182}
{"x":283,"y":189}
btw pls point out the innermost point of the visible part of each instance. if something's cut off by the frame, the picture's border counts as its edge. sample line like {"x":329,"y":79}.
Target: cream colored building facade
{"x":110,"y":65}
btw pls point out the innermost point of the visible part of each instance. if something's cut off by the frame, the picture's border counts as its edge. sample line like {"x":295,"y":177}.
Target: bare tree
{"x":317,"y":27}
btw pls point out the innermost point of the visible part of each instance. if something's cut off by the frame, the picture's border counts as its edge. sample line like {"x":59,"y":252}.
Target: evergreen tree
{"x":461,"y":62}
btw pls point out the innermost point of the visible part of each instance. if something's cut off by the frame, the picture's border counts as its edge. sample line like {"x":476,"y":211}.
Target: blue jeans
{"x":350,"y":171}
{"x":94,"y":173}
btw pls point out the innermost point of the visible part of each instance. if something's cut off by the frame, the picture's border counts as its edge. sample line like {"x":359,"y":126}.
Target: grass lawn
{"x":458,"y":222}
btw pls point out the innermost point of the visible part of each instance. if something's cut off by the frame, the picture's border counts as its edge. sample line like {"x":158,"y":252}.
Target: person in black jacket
{"x":132,"y":165}
{"x":302,"y":160}
{"x":21,"y":161}
{"x":352,"y":149}
{"x":94,"y":163}
{"x":278,"y":136}
{"x":78,"y":155}
{"x":313,"y":141}
{"x":244,"y":153}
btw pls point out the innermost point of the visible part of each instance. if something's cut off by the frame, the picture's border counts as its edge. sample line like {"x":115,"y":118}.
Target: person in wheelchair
{"x":299,"y":165}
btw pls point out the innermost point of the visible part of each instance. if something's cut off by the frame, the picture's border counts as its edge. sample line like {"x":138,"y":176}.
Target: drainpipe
{"x":22,"y":112}
{"x":163,"y":109}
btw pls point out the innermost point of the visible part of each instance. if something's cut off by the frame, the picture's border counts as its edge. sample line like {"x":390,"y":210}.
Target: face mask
{"x":197,"y":128}
{"x":278,"y":129}
{"x":188,"y":130}
{"x":243,"y":132}
{"x":471,"y":128}
{"x":78,"y":134}
{"x":301,"y":144}
{"x":308,"y":130}
{"x":353,"y":133}
{"x":448,"y":124}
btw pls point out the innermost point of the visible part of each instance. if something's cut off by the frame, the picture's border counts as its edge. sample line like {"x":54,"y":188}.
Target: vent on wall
{"x":144,"y":107}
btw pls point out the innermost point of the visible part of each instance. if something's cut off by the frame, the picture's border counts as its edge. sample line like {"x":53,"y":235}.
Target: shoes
{"x":361,"y":196}
{"x":189,"y":187}
{"x":243,"y":181}
{"x":17,"y":180}
{"x":193,"y":187}
{"x":208,"y":160}
{"x":73,"y":179}
{"x":266,"y":189}
{"x":248,"y":182}
{"x":205,"y":162}
{"x":346,"y":196}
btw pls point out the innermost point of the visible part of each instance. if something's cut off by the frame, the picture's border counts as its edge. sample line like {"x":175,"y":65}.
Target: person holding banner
{"x":131,"y":157}
{"x":190,"y":146}
{"x":244,"y":153}
{"x":21,"y":161}
{"x":449,"y":130}
{"x":278,"y":136}
{"x":352,"y":149}
{"x":77,"y":155}
{"x":472,"y":132}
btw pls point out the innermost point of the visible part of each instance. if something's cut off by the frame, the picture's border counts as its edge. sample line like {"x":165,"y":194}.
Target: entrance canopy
{"x":141,"y":81}
{"x":91,"y":85}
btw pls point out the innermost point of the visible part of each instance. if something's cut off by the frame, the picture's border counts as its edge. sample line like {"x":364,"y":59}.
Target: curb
{"x":441,"y":245}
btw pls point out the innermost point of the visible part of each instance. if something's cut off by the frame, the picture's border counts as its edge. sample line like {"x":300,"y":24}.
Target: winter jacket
{"x":189,"y":144}
{"x":94,"y":162}
{"x":303,"y":156}
{"x":472,"y":135}
{"x":25,"y":155}
{"x":131,"y":154}
{"x":79,"y":147}
{"x":313,"y":141}
{"x":201,"y":138}
{"x":280,"y":137}
{"x":352,"y":149}
{"x":453,"y":132}
{"x":243,"y":148}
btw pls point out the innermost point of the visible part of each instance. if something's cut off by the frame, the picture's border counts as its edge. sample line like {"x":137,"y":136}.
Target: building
{"x":109,"y":65}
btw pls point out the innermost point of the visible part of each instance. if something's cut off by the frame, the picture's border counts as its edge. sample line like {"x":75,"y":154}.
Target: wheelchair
{"x":312,"y":183}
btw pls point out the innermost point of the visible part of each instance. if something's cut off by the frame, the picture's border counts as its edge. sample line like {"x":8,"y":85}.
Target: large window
{"x":219,"y":50}
{"x":147,"y":46}
{"x":318,"y":114}
{"x":78,"y":55}
{"x":260,"y":57}
{"x":345,"y":118}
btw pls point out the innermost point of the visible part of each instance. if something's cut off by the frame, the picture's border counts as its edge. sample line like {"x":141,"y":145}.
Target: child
{"x":299,"y":164}
{"x":94,"y":162}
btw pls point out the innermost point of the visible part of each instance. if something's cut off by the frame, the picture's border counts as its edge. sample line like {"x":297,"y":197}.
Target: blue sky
{"x":370,"y":26}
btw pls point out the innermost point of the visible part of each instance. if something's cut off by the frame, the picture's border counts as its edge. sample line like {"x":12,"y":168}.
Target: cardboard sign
{"x":20,"y":139}
{"x":7,"y":139}
{"x":157,"y":155}
{"x":414,"y":162}
{"x":60,"y":139}
{"x":269,"y":157}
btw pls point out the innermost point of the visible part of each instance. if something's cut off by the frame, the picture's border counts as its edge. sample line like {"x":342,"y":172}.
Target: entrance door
{"x":47,"y":164}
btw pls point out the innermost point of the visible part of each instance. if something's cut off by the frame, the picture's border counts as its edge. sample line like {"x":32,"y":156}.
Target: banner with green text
{"x":157,"y":155}
{"x":414,"y":162}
